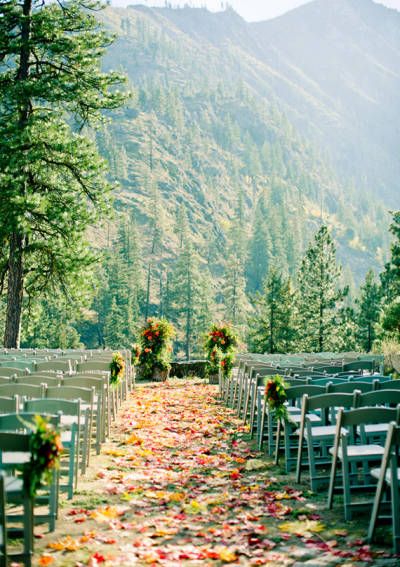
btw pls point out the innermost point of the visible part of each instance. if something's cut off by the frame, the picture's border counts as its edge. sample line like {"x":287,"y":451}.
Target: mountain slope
{"x":229,"y":112}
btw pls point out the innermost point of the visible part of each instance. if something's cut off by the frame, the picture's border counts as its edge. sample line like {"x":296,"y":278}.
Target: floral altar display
{"x":220,"y":347}
{"x":154,"y":354}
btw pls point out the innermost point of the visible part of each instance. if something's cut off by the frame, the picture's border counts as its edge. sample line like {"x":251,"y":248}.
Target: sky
{"x":251,"y":10}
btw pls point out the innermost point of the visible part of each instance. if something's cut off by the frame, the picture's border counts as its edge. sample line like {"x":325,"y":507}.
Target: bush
{"x":220,"y":346}
{"x":155,"y":349}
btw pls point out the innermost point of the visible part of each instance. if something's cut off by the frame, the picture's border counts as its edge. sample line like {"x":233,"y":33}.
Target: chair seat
{"x":14,"y":489}
{"x":323,"y":431}
{"x":9,"y":459}
{"x":388,"y":476}
{"x":360,"y":451}
{"x":375,"y":428}
{"x":296,"y":418}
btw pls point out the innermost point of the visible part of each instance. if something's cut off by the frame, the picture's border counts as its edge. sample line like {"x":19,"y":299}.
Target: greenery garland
{"x":220,"y":346}
{"x":276,"y":397}
{"x":117,"y":368}
{"x":46,"y":447}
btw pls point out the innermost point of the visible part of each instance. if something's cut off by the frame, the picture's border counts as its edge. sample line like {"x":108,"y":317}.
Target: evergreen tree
{"x":368,"y":311}
{"x":52,"y":181}
{"x":319,"y":294}
{"x":391,"y":283}
{"x":391,"y":275}
{"x":260,"y":248}
{"x":189,"y":300}
{"x":273,"y":327}
{"x":234,"y":292}
{"x":114,"y":326}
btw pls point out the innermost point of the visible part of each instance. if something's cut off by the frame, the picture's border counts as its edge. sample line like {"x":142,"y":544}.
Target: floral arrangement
{"x":155,"y":351}
{"x":117,"y":368}
{"x":45,"y":447}
{"x":136,"y":351}
{"x":275,"y":397}
{"x":220,"y":345}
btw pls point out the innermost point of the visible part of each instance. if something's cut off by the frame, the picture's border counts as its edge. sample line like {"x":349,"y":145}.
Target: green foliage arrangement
{"x":275,"y":397}
{"x":220,"y":346}
{"x":155,"y":351}
{"x":46,"y":447}
{"x":117,"y":368}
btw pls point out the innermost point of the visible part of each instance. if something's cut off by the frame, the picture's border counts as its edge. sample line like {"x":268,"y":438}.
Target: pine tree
{"x":189,"y":299}
{"x":260,"y":248}
{"x":319,"y":293}
{"x":273,"y":327}
{"x":234,"y":292}
{"x":368,"y":311}
{"x":114,"y":335}
{"x":52,"y":181}
{"x":391,"y":283}
{"x":391,"y":275}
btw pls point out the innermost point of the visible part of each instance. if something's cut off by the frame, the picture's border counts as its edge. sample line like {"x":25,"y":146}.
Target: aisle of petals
{"x":179,"y":485}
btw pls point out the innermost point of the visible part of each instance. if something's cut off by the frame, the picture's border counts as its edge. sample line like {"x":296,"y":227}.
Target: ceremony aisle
{"x":178,"y":484}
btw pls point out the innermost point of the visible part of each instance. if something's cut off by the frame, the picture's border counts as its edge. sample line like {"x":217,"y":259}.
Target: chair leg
{"x":3,"y":533}
{"x":28,"y":529}
{"x":346,"y":489}
{"x":278,"y":438}
{"x":395,"y":507}
{"x":260,"y":432}
{"x":332,"y":479}
{"x":375,"y":507}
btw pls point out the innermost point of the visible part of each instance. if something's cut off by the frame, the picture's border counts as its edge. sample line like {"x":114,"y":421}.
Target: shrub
{"x":155,"y":349}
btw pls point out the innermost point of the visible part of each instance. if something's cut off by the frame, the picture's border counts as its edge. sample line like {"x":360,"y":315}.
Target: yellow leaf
{"x":227,"y":555}
{"x":305,"y":528}
{"x":176,"y":497}
{"x":65,"y":544}
{"x":195,"y":507}
{"x":115,"y":453}
{"x":105,"y":514}
{"x":133,"y":440}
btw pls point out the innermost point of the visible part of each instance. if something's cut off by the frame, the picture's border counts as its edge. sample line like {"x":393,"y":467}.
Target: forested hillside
{"x":238,"y":142}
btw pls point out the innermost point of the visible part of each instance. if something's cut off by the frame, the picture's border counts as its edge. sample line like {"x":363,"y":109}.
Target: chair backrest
{"x":85,"y":382}
{"x":20,"y":421}
{"x":9,"y":405}
{"x":360,"y":365}
{"x":297,"y":392}
{"x":379,"y":397}
{"x":350,"y":387}
{"x":388,"y":385}
{"x":6,"y":379}
{"x":8,"y":372}
{"x":327,"y":380}
{"x":53,"y":406}
{"x":70,"y":393}
{"x":369,"y":415}
{"x":25,"y":364}
{"x":89,"y":365}
{"x":50,"y":380}
{"x":64,"y":366}
{"x":323,"y":401}
{"x":27,"y":390}
{"x":13,"y":441}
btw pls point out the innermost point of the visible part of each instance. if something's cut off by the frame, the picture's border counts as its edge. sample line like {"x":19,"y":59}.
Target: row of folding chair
{"x":264,"y":424}
{"x":343,"y":430}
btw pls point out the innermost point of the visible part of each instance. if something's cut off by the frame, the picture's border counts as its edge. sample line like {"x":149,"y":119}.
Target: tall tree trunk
{"x":15,"y":290}
{"x":15,"y":284}
{"x":188,"y":314}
